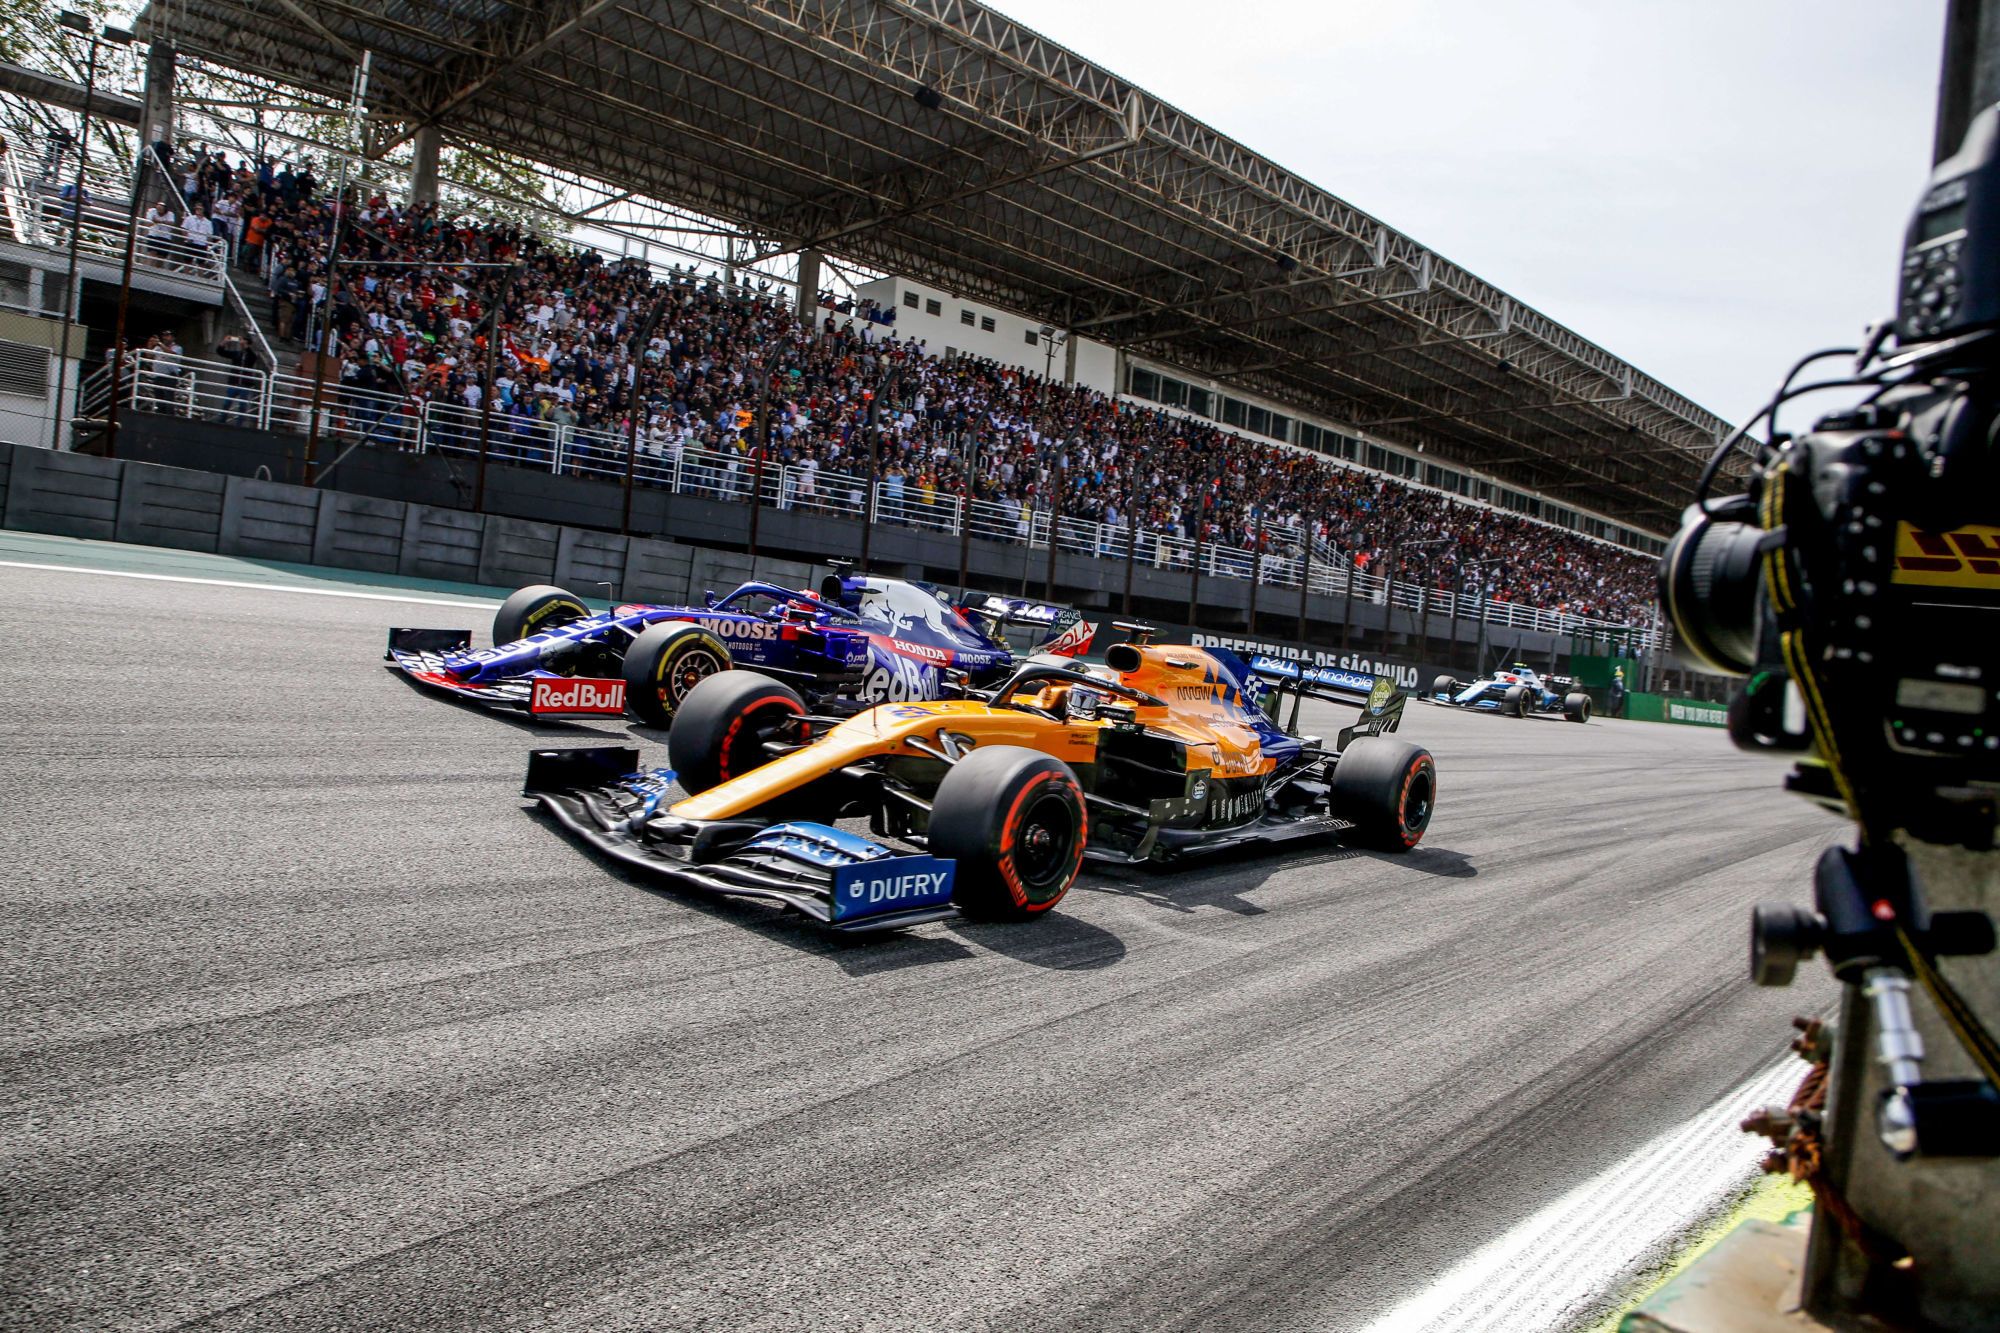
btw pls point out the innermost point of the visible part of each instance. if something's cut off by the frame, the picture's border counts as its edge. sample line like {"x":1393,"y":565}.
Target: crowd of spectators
{"x":585,"y":342}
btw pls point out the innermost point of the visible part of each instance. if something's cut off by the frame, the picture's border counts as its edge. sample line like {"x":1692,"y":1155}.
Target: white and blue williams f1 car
{"x":1518,"y":691}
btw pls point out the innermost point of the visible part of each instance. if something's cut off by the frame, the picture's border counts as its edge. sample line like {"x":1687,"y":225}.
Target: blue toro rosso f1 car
{"x":1519,"y":691}
{"x":858,"y":641}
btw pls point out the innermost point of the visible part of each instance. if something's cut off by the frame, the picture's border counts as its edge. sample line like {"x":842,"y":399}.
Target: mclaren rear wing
{"x":1380,"y":702}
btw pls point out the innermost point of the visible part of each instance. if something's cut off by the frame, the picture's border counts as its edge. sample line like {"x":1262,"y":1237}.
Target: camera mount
{"x":1872,"y":924}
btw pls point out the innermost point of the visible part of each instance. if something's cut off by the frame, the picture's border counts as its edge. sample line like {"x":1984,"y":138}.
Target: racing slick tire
{"x":1013,"y":819}
{"x":1516,"y":702}
{"x":1576,"y":706}
{"x":667,"y":661}
{"x":722,"y":724}
{"x":1444,"y":685}
{"x":1387,"y":789}
{"x":537,"y":607}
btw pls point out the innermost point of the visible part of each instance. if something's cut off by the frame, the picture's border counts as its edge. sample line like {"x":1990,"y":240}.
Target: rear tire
{"x":1014,"y":821}
{"x":1576,"y":707}
{"x":533,"y":609}
{"x":667,"y":661}
{"x":722,"y":724}
{"x":1516,"y":701}
{"x":1387,"y":789}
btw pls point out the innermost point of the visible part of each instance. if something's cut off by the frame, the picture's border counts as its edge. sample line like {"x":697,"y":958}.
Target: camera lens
{"x":1708,"y":585}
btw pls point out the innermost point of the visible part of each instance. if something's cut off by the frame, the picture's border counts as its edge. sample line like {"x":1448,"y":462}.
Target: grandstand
{"x":938,"y":140}
{"x":1421,"y":436}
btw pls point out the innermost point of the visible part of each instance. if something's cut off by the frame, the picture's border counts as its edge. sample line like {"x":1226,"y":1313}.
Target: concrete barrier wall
{"x":77,"y":495}
{"x":170,"y":507}
{"x":70,"y":495}
{"x":421,"y":530}
{"x":440,"y":544}
{"x":360,"y":532}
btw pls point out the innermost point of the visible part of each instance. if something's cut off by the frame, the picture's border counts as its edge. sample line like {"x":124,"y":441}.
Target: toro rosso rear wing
{"x":1380,"y":702}
{"x":836,"y":879}
{"x":1061,"y":630}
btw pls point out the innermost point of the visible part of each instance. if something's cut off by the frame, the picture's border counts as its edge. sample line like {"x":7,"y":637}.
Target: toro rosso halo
{"x":1165,"y":751}
{"x":859,"y":640}
{"x":1519,"y":691}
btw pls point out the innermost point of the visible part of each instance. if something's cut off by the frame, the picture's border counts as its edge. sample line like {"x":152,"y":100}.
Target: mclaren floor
{"x":311,"y":1023}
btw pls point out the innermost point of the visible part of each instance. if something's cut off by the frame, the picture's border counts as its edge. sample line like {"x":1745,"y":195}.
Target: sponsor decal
{"x":893,"y":885}
{"x":1967,"y":557}
{"x":895,"y":679}
{"x":1379,"y":695}
{"x":1193,"y":693}
{"x":922,"y":650}
{"x":745,"y":629}
{"x":577,"y":694}
{"x":1076,"y":639}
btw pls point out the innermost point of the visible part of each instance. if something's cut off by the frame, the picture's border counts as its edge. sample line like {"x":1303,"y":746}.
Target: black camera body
{"x":1855,"y":584}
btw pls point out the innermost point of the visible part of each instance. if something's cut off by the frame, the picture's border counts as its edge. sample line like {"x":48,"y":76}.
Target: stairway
{"x":265,"y":311}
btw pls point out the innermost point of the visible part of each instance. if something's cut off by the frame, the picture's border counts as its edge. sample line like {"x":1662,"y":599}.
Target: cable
{"x":1783,"y":396}
{"x":1958,"y":1015}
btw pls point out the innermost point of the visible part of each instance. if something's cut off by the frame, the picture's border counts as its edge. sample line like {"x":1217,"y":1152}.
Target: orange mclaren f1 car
{"x":1165,"y":751}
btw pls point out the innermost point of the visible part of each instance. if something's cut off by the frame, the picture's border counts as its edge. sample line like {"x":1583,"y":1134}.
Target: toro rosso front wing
{"x":420,"y":655}
{"x":836,"y":879}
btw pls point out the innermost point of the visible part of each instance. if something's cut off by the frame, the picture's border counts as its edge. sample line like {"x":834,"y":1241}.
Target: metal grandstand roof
{"x":939,"y":139}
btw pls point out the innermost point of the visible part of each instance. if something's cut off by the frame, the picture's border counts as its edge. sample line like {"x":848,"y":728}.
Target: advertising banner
{"x":1406,"y":672}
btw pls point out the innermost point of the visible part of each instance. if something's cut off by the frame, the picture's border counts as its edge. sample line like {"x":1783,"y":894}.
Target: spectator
{"x":160,"y":232}
{"x":236,"y":403}
{"x":845,"y":386}
{"x":198,"y":231}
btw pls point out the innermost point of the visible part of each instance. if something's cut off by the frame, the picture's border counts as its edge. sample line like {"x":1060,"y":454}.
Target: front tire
{"x":665,"y":663}
{"x":1447,"y":685}
{"x":533,"y":609}
{"x":722,"y":725}
{"x":1013,"y":819}
{"x":1387,"y":789}
{"x":1576,"y":707}
{"x":1516,"y":702}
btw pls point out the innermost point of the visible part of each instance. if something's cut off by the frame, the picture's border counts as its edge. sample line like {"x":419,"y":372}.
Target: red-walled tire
{"x":722,"y":724}
{"x":1014,"y":821}
{"x":1388,"y":789}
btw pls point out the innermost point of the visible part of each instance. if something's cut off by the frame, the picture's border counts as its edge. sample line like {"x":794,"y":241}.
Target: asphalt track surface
{"x":311,"y":1023}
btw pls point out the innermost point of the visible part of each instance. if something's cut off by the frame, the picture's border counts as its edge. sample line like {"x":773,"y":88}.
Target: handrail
{"x":250,"y":318}
{"x":218,"y":391}
{"x":103,"y":238}
{"x":20,"y":200}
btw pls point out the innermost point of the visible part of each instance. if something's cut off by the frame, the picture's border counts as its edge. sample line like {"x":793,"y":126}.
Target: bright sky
{"x":1708,"y":188}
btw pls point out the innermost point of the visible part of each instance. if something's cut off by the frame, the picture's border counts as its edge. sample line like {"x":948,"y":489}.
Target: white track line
{"x":240,"y":583}
{"x":1554,"y":1267}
